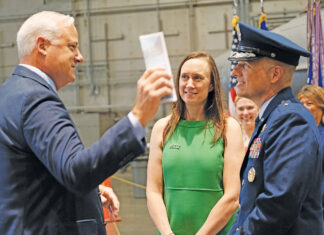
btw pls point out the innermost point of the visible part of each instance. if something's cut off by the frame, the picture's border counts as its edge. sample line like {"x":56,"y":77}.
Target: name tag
{"x":175,"y":146}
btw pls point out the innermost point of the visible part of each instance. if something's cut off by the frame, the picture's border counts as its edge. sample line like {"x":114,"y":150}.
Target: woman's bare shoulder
{"x":231,"y":121}
{"x":161,"y":123}
{"x":232,"y":124}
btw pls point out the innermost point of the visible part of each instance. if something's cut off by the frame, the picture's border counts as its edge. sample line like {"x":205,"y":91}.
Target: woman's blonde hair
{"x":315,"y":94}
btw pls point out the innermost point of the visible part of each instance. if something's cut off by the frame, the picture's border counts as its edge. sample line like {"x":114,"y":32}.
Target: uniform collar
{"x":264,"y":106}
{"x":284,"y":94}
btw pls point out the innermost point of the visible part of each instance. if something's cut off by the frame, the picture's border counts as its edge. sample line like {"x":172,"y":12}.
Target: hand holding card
{"x":156,"y":55}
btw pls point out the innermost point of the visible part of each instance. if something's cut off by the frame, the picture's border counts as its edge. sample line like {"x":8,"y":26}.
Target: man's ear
{"x":42,"y":45}
{"x":277,"y":72}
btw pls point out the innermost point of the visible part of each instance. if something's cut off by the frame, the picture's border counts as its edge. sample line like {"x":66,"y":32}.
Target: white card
{"x":156,"y":55}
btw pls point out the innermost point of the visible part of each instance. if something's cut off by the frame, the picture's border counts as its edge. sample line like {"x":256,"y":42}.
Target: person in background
{"x":282,"y":169}
{"x":312,"y":97}
{"x":246,"y":111}
{"x":110,"y":207}
{"x":48,"y":179}
{"x":195,"y":156}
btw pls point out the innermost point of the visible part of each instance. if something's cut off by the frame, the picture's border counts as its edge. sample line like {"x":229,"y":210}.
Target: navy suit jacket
{"x":48,"y":179}
{"x":281,"y":173}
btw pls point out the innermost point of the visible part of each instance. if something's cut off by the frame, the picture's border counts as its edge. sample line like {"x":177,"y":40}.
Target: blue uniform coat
{"x":281,"y":173}
{"x":48,"y":179}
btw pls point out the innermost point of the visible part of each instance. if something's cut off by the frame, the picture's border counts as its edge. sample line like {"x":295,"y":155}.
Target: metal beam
{"x":7,"y":45}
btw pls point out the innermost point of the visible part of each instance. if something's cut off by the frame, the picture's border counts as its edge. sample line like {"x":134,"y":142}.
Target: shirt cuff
{"x":139,"y":130}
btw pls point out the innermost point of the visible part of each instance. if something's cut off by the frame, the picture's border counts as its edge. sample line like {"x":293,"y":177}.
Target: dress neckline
{"x":187,"y":123}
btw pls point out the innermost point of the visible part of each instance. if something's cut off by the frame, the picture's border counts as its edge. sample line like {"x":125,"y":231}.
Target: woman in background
{"x":196,"y":153}
{"x":312,"y":97}
{"x":246,"y":111}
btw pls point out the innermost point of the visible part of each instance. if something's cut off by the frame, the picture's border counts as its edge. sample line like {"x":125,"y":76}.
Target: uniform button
{"x":237,"y":229}
{"x":239,"y":206}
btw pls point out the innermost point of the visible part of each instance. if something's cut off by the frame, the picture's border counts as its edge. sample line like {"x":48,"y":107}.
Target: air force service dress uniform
{"x":282,"y":169}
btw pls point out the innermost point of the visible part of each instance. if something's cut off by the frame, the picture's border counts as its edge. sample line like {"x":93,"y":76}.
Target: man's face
{"x":252,"y":79}
{"x":62,"y":57}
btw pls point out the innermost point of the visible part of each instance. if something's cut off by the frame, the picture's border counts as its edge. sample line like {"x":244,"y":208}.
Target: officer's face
{"x":252,"y":79}
{"x":311,"y":106}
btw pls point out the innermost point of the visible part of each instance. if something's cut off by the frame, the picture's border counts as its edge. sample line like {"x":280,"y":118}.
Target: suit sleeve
{"x":51,"y":135}
{"x":290,"y":168}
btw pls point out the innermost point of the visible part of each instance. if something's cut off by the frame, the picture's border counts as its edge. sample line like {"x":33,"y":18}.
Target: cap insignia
{"x":238,"y":55}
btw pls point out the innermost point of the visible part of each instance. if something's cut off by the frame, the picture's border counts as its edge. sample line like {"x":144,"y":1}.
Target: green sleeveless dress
{"x":193,"y":176}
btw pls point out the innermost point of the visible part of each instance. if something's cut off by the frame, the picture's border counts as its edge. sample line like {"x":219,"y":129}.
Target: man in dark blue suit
{"x":282,"y":170}
{"x":48,"y":179}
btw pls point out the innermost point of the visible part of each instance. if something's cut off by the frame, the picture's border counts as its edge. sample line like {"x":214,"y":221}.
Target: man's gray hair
{"x":42,"y":24}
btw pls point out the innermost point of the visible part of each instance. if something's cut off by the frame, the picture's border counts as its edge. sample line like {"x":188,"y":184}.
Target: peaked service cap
{"x":255,"y":43}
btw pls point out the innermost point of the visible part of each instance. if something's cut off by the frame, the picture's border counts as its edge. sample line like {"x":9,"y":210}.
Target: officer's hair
{"x":43,"y":24}
{"x":288,"y":69}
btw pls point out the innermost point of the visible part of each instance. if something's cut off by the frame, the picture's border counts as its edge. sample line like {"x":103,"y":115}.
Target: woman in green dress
{"x":193,"y":181}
